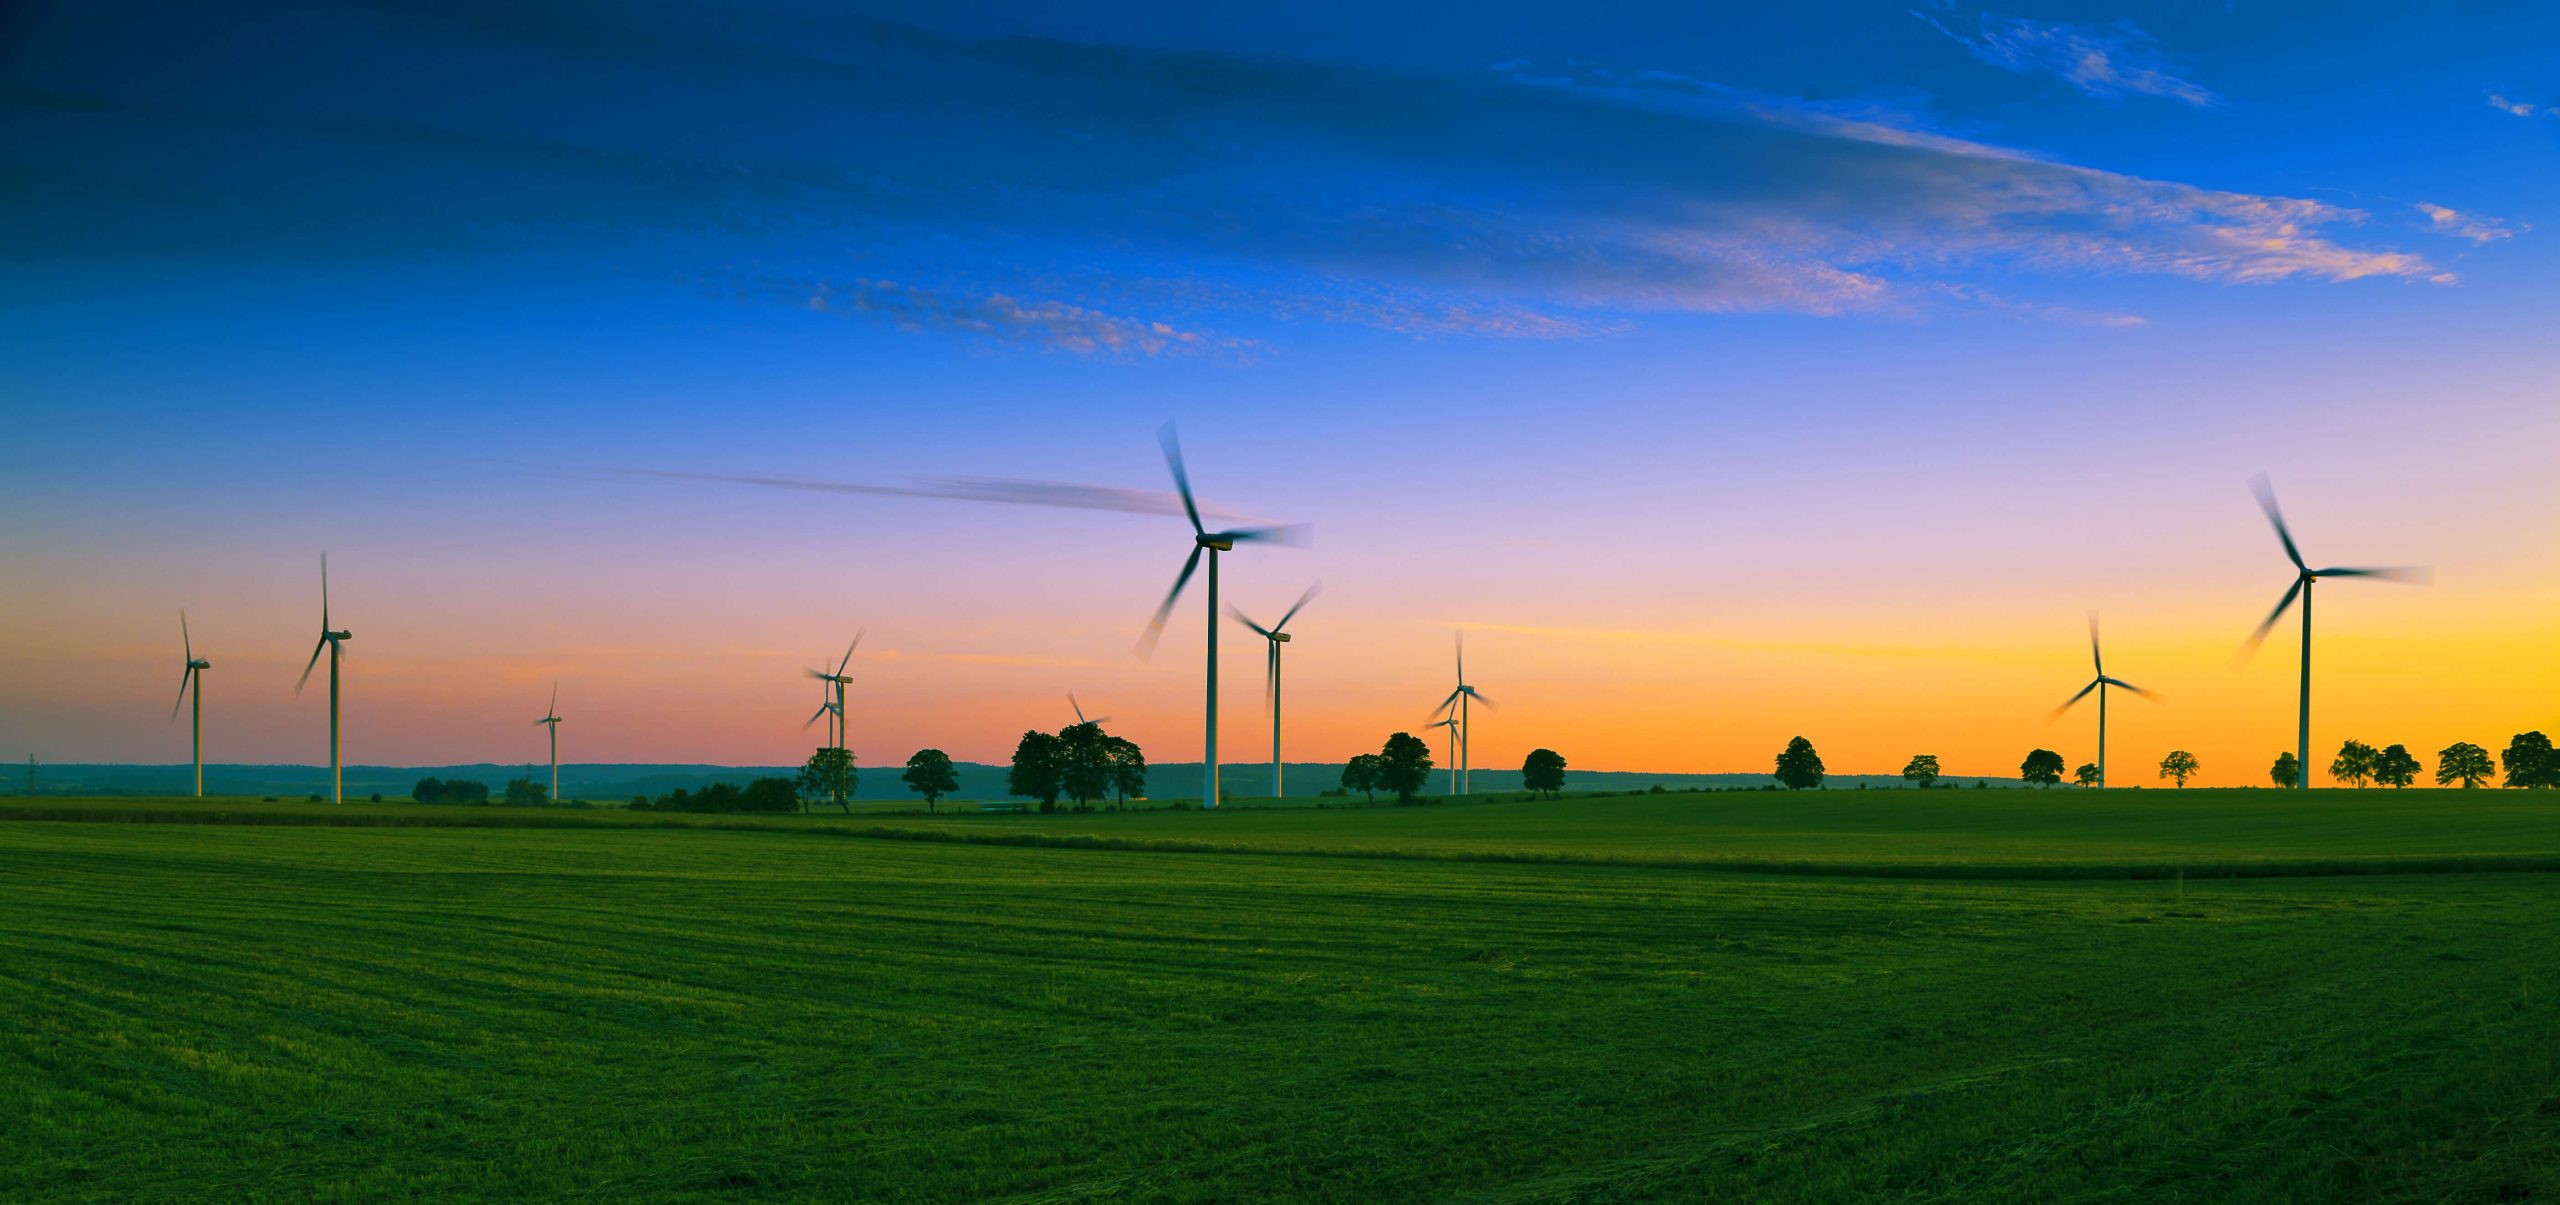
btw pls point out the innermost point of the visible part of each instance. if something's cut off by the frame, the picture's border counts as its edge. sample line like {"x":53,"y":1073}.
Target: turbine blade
{"x":815,"y":716}
{"x":1071,"y":702}
{"x":819,"y":674}
{"x":2121,"y":684}
{"x":1238,"y":614}
{"x":2266,"y":492}
{"x":1155,"y":626}
{"x":2094,"y":662}
{"x":305,"y":680}
{"x":1294,"y":607}
{"x":1294,"y":535}
{"x":1181,"y":479}
{"x":2056,"y":713}
{"x":1473,"y":694}
{"x":324,"y":591}
{"x":2268,"y":625}
{"x":1270,"y":674}
{"x":1462,"y":658}
{"x":555,"y":700}
{"x":183,"y":680}
{"x":848,"y":652}
{"x":2414,"y":575}
{"x":1451,"y":701}
{"x":184,"y":637}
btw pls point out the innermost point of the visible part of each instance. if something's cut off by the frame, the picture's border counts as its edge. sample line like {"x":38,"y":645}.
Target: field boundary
{"x":529,"y":818}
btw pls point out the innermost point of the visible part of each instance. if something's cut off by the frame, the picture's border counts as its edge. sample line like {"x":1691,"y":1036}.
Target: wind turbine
{"x":551,"y":719}
{"x":835,"y":682}
{"x":1080,"y":716}
{"x":1203,"y":540}
{"x":2100,"y":685}
{"x":1459,"y":699}
{"x":332,"y":641}
{"x":1275,"y":635}
{"x":192,"y":677}
{"x":1452,"y":725}
{"x":2304,"y":575}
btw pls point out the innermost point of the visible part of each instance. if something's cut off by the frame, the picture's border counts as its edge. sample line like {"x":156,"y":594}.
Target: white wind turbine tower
{"x":1459,"y":699}
{"x":2100,"y":685}
{"x":2304,"y":575}
{"x":1212,"y":543}
{"x":1275,"y":636}
{"x":193,"y":677}
{"x":1452,"y":725}
{"x":333,"y":642}
{"x":551,"y":719}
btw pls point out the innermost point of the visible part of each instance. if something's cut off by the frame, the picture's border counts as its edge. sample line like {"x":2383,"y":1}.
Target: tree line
{"x":2529,"y":762}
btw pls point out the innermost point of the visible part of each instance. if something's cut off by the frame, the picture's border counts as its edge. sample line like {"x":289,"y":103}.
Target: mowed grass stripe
{"x":219,"y":1012}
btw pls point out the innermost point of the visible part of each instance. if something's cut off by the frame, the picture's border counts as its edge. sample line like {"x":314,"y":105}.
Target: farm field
{"x":193,"y":1011}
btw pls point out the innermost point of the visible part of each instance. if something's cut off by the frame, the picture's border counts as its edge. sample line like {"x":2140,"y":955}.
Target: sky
{"x":1726,"y":373}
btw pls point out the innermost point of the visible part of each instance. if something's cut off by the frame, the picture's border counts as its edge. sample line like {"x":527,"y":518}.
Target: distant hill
{"x":617,"y":782}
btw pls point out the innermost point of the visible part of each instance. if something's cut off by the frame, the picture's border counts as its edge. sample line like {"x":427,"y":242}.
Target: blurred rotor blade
{"x":2056,"y":713}
{"x":1071,"y":702}
{"x":1447,"y":703}
{"x":547,"y":719}
{"x":2266,"y":492}
{"x":2414,"y":575}
{"x":815,"y":716}
{"x":183,"y":680}
{"x":819,"y":674}
{"x":2121,"y":684}
{"x":2094,"y":662}
{"x":1294,"y":535}
{"x":2269,"y":624}
{"x":1172,"y":442}
{"x":1473,"y":694}
{"x":554,"y":709}
{"x":1294,"y":607}
{"x":1239,"y":616}
{"x":305,"y":680}
{"x":324,"y":591}
{"x":1462,"y":658}
{"x":848,"y":651}
{"x":184,"y":637}
{"x":1155,"y":626}
{"x":1270,"y":674}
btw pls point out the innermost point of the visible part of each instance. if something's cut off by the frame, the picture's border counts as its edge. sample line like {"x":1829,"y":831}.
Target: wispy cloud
{"x":2109,"y":62}
{"x":2457,"y":224}
{"x":1006,"y":490}
{"x":2516,"y":107}
{"x":1056,"y":325}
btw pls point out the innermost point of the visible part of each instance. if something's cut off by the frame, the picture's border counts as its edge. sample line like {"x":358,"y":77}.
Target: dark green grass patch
{"x":215,"y":1012}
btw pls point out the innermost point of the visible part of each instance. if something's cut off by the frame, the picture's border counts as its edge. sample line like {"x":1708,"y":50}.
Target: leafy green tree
{"x":526,"y":793}
{"x":2354,"y":763}
{"x":2395,"y":766}
{"x":1361,"y":774}
{"x":929,"y":774}
{"x":1404,"y":765}
{"x":1037,"y":762}
{"x":2286,"y":772}
{"x":428,"y":790}
{"x":2465,"y":763}
{"x":2530,"y":762}
{"x":771,"y":793}
{"x":1084,"y":763}
{"x":1128,"y":771}
{"x":2180,"y":765}
{"x":1799,"y":767}
{"x":2087,"y":775}
{"x":2042,"y":767}
{"x":1921,"y":771}
{"x":1543,"y":772}
{"x":828,"y":776}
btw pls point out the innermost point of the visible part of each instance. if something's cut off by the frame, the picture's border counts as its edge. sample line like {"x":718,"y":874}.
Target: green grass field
{"x":436,"y":1007}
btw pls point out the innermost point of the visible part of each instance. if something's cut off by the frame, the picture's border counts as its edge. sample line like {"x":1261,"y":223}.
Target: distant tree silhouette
{"x":1799,"y":767}
{"x":2395,"y":766}
{"x":2530,"y":762}
{"x":827,"y":776}
{"x":1543,"y":772}
{"x":526,"y":793}
{"x":1921,"y":771}
{"x":2087,"y":775}
{"x":2354,"y":763}
{"x":929,"y":774}
{"x":2180,"y":765}
{"x":2286,"y":772}
{"x":1084,"y":763}
{"x":454,"y":790}
{"x":1404,"y":765}
{"x":770,"y":794}
{"x":2042,"y":767}
{"x":1361,"y":774}
{"x":1128,"y":771}
{"x":428,"y":790}
{"x":2465,"y":763}
{"x":1035,"y":769}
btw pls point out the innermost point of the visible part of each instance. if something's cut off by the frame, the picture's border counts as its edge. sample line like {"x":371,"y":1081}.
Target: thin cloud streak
{"x":1005,"y":490}
{"x":2454,"y":223}
{"x":2107,"y":63}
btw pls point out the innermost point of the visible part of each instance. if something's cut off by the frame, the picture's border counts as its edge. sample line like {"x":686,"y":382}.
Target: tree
{"x":2465,"y":763}
{"x":2180,"y":765}
{"x":772,"y":793}
{"x":2529,"y":761}
{"x":2087,"y":775}
{"x":1543,"y":772}
{"x":929,"y":774}
{"x":2042,"y":767}
{"x":1921,"y":771}
{"x":526,"y":793}
{"x":1799,"y":767}
{"x":2286,"y":772}
{"x":1404,"y":765}
{"x":828,"y":775}
{"x":1128,"y":771}
{"x":1361,"y":774}
{"x":2354,"y":763}
{"x":428,"y":790}
{"x":1035,"y":769}
{"x":2395,"y":766}
{"x":1084,"y":763}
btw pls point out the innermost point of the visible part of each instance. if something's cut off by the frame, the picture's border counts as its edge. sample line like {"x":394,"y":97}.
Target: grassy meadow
{"x":247,"y":999}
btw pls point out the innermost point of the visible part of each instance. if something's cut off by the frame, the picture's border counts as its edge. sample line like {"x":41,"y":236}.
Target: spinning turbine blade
{"x":2056,"y":713}
{"x":1488,"y":703}
{"x":1294,"y":607}
{"x":1451,"y":701}
{"x":188,"y":640}
{"x":1240,"y":617}
{"x":1181,"y":480}
{"x":306,"y":669}
{"x":183,"y":679}
{"x":2286,"y":603}
{"x":2413,"y":575}
{"x":2121,"y":684}
{"x":815,"y":716}
{"x":1155,"y":626}
{"x":848,"y":651}
{"x":2094,"y":662}
{"x":1295,"y":535}
{"x":2266,"y":492}
{"x":324,"y":591}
